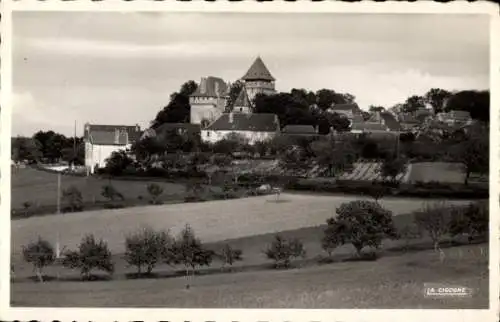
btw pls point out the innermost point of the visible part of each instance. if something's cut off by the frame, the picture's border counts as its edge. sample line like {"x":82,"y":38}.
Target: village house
{"x":251,"y":127}
{"x":379,"y":123}
{"x":350,"y":111}
{"x":102,"y":140}
{"x":454,"y":117}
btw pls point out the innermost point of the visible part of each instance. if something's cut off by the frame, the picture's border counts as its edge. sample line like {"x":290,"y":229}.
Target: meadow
{"x":395,"y":280}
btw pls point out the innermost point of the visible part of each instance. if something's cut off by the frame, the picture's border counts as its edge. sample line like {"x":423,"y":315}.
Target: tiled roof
{"x":242,"y":100}
{"x":459,"y":114}
{"x":111,"y":134}
{"x":390,"y":121}
{"x":211,"y":86}
{"x":368,"y":127}
{"x":299,"y":129}
{"x":258,"y":122}
{"x":188,"y":127}
{"x":357,"y":118}
{"x":344,"y":107}
{"x":258,"y":71}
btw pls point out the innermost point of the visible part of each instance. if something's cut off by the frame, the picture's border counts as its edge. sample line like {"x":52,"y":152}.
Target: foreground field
{"x":213,"y":220}
{"x":390,"y":282}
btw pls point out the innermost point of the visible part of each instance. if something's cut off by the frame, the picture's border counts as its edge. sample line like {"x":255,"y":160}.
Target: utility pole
{"x":58,"y":249}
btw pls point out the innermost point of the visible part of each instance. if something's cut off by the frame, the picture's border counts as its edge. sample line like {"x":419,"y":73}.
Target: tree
{"x":360,"y":223}
{"x":375,"y":108}
{"x":472,"y":220}
{"x":73,"y":197}
{"x":194,"y":190}
{"x":51,"y":144}
{"x":338,"y":122}
{"x":477,"y":103}
{"x":118,"y":162}
{"x":437,"y":98}
{"x":434,"y":219}
{"x":337,"y":156}
{"x":283,"y":250}
{"x":293,"y":159}
{"x":234,"y":91}
{"x":413,"y":103}
{"x":189,"y":251}
{"x":148,"y":247}
{"x":230,"y":255}
{"x":91,"y":254}
{"x":27,"y":149}
{"x":155,"y":191}
{"x":473,"y":152}
{"x":178,"y":109}
{"x":39,"y":254}
{"x":392,"y":167}
{"x":325,"y":98}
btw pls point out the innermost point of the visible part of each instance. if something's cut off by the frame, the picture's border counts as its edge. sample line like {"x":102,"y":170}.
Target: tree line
{"x":48,"y":147}
{"x":361,"y":224}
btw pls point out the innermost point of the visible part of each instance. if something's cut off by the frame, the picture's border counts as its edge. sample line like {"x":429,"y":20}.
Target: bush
{"x":155,"y":191}
{"x":282,"y":251}
{"x":39,"y":254}
{"x":111,"y":193}
{"x":91,"y":255}
{"x":74,"y":199}
{"x":146,"y":248}
{"x":194,"y":191}
{"x":360,"y":223}
{"x":472,"y":221}
{"x":435,"y":220}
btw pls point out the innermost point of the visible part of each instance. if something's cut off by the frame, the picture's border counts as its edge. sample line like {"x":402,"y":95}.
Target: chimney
{"x":203,"y":85}
{"x":231,"y":117}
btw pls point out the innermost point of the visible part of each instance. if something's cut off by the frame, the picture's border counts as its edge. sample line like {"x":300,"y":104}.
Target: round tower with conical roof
{"x":258,"y":80}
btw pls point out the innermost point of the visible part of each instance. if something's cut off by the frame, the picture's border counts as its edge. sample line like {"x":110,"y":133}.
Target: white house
{"x":252,"y":127}
{"x":102,"y":140}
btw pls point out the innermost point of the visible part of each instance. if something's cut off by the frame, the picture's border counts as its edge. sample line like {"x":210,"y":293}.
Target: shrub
{"x":228,"y":255}
{"x":73,"y":197}
{"x":146,"y":248}
{"x":391,"y":167}
{"x":377,"y":191}
{"x":282,"y":251}
{"x":111,"y":193}
{"x":39,"y":254}
{"x":434,"y":219}
{"x":91,"y":254}
{"x":472,"y":220}
{"x":360,"y":223}
{"x":155,"y":191}
{"x":193,"y":192}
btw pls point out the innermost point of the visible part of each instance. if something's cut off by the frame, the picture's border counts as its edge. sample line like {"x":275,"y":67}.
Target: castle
{"x":210,"y":99}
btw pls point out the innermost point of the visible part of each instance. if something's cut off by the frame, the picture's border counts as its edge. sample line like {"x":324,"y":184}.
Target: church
{"x":209,"y":107}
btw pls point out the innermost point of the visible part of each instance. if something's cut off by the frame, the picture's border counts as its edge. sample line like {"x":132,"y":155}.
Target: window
{"x":208,"y":134}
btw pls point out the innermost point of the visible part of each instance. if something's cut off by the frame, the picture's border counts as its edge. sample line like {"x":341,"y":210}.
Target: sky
{"x":120,"y":68}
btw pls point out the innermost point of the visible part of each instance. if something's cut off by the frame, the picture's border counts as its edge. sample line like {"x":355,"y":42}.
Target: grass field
{"x":40,"y":187}
{"x":212,"y":220}
{"x":395,"y":280}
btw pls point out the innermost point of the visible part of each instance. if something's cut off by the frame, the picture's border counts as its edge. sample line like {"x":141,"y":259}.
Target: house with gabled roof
{"x":102,"y":140}
{"x":350,"y":110}
{"x":300,"y":130}
{"x":252,"y":127}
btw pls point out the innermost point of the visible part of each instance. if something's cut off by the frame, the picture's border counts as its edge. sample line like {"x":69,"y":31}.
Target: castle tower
{"x":242,"y":103}
{"x":258,"y":79}
{"x":209,"y":100}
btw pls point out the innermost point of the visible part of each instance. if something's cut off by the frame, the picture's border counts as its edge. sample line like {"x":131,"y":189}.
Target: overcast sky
{"x":120,"y":68}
